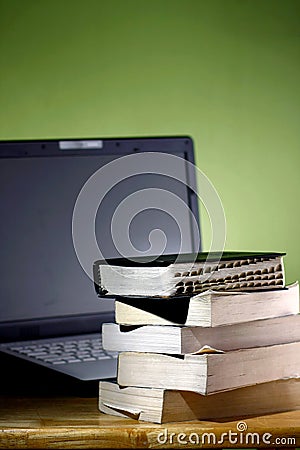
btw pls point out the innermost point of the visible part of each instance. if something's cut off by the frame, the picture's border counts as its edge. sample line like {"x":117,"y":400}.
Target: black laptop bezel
{"x":89,"y":323}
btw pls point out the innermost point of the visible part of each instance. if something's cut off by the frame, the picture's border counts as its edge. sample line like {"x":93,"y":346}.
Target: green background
{"x":225,"y":72}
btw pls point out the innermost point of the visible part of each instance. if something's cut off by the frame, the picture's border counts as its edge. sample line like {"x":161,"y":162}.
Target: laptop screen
{"x":41,"y":276}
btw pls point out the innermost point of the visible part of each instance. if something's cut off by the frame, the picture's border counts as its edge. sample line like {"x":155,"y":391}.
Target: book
{"x":208,"y":373}
{"x":208,"y":309}
{"x":182,"y":340}
{"x":161,"y":406}
{"x":188,"y":274}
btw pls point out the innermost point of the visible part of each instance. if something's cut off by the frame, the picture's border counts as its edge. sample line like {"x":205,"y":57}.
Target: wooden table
{"x":70,"y":422}
{"x":40,"y":408}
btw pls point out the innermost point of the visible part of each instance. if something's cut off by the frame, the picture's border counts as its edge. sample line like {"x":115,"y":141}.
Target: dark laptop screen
{"x":40,"y":274}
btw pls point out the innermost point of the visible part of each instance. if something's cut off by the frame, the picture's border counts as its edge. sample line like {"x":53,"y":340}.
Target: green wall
{"x":225,"y":72}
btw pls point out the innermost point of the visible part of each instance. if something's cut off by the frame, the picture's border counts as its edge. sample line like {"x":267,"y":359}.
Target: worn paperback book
{"x":208,"y":309}
{"x":161,"y":405}
{"x":210,"y":371}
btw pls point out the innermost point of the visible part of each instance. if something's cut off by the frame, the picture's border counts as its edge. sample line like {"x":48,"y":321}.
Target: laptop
{"x":51,"y":220}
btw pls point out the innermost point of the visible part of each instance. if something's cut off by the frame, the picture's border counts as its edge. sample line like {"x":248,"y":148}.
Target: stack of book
{"x":202,"y":337}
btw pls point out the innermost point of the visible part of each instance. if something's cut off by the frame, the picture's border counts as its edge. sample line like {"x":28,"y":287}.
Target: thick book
{"x":208,"y":373}
{"x":208,"y":309}
{"x":182,"y":340}
{"x":187,"y":274}
{"x":161,"y":406}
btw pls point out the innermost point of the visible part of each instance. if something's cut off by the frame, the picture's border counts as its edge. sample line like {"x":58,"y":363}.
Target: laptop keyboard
{"x":66,"y":351}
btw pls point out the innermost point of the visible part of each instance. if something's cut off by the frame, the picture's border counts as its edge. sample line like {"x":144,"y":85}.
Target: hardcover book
{"x":188,"y":274}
